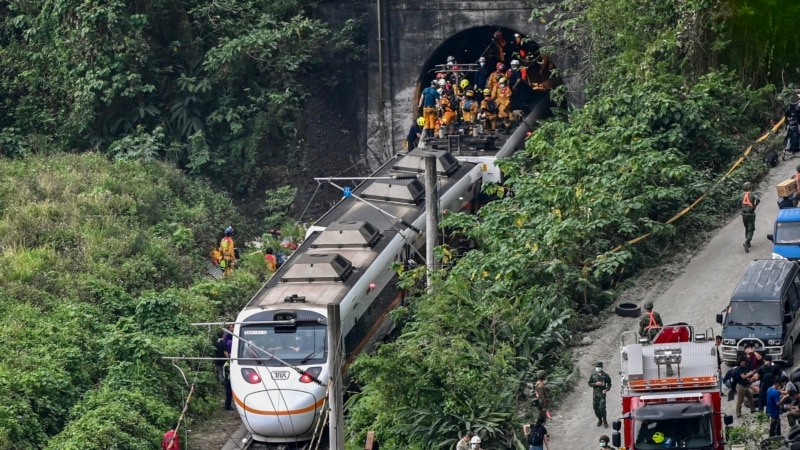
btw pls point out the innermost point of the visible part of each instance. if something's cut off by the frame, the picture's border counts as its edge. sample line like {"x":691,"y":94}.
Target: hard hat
{"x":433,"y":83}
{"x":486,"y":91}
{"x":421,"y":121}
{"x":475,"y":440}
{"x":442,"y":82}
{"x":747,"y":186}
{"x":229,"y":230}
{"x":502,"y":80}
{"x":451,"y":59}
{"x":517,"y":35}
{"x":658,"y":437}
{"x":481,"y":59}
{"x":514,"y":63}
{"x":500,"y":66}
{"x":470,"y":93}
{"x":449,"y":64}
{"x":464,"y":83}
{"x":648,"y":306}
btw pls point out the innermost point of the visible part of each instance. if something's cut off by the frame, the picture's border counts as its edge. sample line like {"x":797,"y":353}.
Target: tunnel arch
{"x":470,"y":44}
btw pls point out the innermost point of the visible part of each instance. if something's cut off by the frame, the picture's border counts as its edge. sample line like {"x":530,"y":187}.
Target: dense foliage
{"x":213,"y":86}
{"x":102,"y":277}
{"x":657,"y":132}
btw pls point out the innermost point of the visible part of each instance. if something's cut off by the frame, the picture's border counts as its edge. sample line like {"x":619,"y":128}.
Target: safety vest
{"x":653,"y":323}
{"x":746,"y":200}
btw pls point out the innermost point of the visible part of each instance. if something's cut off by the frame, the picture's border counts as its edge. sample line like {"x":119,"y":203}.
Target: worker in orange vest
{"x":749,"y":203}
{"x":650,"y":323}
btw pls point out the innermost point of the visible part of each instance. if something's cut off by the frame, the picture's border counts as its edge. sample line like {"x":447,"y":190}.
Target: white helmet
{"x":451,"y":59}
{"x":482,"y":59}
{"x":475,"y":440}
{"x":441,"y":82}
{"x":515,"y":63}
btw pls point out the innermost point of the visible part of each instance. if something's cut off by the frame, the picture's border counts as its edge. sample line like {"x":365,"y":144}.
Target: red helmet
{"x":500,"y":66}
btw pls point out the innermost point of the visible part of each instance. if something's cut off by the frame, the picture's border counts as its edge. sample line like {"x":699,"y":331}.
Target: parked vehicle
{"x":670,"y":392}
{"x":764,"y":311}
{"x":786,"y":234}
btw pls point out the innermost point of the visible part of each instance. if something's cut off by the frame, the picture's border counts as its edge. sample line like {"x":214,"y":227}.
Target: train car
{"x":280,"y":356}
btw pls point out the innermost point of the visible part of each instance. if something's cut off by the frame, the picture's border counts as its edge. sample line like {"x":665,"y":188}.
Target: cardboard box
{"x":786,"y":188}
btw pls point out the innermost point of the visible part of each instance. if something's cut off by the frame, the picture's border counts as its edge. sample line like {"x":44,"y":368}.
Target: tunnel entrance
{"x":496,"y":45}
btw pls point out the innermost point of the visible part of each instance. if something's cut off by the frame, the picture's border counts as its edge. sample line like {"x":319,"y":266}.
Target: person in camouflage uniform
{"x":600,"y":383}
{"x":749,"y":202}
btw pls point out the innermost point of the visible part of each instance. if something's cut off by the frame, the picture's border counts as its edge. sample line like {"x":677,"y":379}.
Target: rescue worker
{"x":482,"y":75}
{"x":475,"y":443}
{"x":429,"y":102}
{"x":461,"y":88}
{"x":448,"y":110}
{"x":215,"y":256}
{"x":463,"y":443}
{"x":494,"y":77}
{"x":489,"y":110}
{"x":600,"y":383}
{"x":749,"y":204}
{"x":796,"y":197}
{"x":228,"y":250}
{"x":271,"y":260}
{"x":497,"y":50}
{"x":414,"y":133}
{"x":502,"y":96}
{"x":650,"y":323}
{"x":469,"y":108}
{"x":540,"y":74}
{"x":514,"y":75}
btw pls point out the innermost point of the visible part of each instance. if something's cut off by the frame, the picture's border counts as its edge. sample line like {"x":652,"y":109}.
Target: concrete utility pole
{"x":335,"y":397}
{"x":431,"y":216}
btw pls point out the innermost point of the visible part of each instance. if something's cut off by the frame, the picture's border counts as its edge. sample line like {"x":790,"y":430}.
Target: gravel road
{"x":692,"y":290}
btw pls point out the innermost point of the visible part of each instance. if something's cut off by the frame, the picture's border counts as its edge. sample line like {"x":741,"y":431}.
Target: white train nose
{"x":277,"y":413}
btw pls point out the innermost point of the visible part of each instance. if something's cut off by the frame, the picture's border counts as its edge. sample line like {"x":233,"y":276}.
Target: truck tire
{"x":793,"y":433}
{"x":628,"y":310}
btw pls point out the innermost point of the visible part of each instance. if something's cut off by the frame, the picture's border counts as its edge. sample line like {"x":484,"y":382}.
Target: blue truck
{"x":786,"y":235}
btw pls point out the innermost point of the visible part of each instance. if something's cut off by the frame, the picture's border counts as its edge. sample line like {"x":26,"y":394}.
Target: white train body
{"x":346,"y":259}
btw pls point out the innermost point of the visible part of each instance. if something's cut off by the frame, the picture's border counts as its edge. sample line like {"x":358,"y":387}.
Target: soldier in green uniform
{"x":650,"y":323}
{"x":600,"y":383}
{"x":749,"y":202}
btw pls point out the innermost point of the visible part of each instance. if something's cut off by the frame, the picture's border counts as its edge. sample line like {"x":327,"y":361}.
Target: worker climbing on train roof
{"x":228,"y":250}
{"x":429,"y":103}
{"x":449,"y":107}
{"x":494,"y":77}
{"x":469,"y":108}
{"x":414,"y":134}
{"x":488,"y":111}
{"x":502,"y":96}
{"x":271,"y":260}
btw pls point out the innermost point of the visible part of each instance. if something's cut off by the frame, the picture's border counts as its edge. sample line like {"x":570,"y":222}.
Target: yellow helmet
{"x":486,"y":91}
{"x":421,"y":121}
{"x":658,"y":437}
{"x":464,"y":83}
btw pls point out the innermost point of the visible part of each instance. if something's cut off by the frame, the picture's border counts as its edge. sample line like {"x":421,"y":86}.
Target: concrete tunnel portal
{"x":469,"y":44}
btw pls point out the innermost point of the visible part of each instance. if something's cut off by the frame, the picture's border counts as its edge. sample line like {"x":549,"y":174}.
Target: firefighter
{"x":494,"y":77}
{"x":469,"y":108}
{"x":429,"y":102}
{"x":228,"y":250}
{"x":489,"y":110}
{"x":502,"y":96}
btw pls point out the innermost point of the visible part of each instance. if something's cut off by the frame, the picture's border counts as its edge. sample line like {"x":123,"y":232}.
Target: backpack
{"x":467,"y":104}
{"x":536,"y":437}
{"x":491,"y":106}
{"x":281,"y":258}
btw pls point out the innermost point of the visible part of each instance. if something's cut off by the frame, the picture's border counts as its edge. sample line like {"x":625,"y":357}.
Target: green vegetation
{"x":102,"y":264}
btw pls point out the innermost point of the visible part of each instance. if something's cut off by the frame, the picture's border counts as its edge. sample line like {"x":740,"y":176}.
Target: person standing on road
{"x":740,"y":379}
{"x":774,"y":402}
{"x":463,"y":443}
{"x":600,"y":383}
{"x":749,"y":204}
{"x":650,"y":323}
{"x":540,"y":391}
{"x":766,"y":376}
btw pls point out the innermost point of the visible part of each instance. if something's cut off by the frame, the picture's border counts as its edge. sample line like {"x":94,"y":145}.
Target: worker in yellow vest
{"x":228,"y":250}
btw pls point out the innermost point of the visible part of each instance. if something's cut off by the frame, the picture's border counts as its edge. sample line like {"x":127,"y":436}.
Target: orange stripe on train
{"x":249,"y":409}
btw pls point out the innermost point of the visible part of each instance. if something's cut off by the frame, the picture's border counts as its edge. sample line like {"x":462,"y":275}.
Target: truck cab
{"x":670,"y":392}
{"x":785,"y":236}
{"x":764,"y":311}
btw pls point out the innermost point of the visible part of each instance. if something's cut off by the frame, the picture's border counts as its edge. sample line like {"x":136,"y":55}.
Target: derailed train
{"x":280,"y":357}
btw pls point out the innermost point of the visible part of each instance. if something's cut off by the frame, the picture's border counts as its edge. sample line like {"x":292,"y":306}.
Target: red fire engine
{"x":670,"y":392}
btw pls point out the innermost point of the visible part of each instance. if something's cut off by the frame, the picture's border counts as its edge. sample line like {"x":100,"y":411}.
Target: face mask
{"x":602,"y":444}
{"x":598,"y":369}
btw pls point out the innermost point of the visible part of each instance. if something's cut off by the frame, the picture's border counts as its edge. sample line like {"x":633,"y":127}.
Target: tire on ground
{"x":628,"y":310}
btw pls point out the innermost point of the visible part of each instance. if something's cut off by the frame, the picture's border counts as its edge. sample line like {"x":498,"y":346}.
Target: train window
{"x":300,"y":345}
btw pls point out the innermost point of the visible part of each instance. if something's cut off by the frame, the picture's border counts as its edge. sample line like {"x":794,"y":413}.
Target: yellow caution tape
{"x":700,"y":199}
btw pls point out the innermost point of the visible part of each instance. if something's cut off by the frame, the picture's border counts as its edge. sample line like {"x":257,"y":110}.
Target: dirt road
{"x":692,"y":291}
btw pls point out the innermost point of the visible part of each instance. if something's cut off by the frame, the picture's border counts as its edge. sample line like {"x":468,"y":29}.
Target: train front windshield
{"x":693,"y":432}
{"x":299,"y":345}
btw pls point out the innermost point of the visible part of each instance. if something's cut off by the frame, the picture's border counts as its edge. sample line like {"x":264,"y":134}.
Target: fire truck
{"x":670,"y":392}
